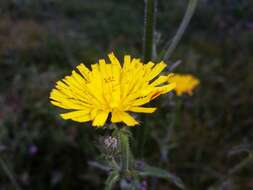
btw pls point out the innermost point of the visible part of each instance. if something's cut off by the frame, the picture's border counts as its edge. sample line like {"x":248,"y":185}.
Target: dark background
{"x":43,"y":40}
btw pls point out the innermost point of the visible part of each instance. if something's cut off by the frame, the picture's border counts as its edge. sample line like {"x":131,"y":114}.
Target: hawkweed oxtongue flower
{"x":110,"y":89}
{"x":185,"y":83}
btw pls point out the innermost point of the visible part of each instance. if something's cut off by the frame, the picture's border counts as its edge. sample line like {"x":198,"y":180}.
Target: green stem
{"x":9,"y":174}
{"x":149,"y":28}
{"x":126,"y":155}
{"x":148,"y":47}
{"x":186,"y":20}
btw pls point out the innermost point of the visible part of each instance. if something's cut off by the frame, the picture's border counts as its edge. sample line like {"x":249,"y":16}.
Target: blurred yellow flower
{"x":185,"y":83}
{"x":110,"y":89}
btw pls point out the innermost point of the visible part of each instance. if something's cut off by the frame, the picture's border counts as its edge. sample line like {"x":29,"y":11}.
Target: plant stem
{"x":126,"y":155}
{"x":148,"y":47}
{"x":149,"y":28}
{"x":9,"y":174}
{"x":186,"y":20}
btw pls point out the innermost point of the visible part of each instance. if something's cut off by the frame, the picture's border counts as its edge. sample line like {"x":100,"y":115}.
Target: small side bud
{"x":111,"y":143}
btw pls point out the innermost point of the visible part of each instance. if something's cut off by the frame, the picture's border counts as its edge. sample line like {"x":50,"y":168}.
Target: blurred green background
{"x":43,"y":40}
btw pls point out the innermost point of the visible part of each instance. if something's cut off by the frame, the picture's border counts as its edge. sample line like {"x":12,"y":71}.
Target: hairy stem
{"x":126,"y":155}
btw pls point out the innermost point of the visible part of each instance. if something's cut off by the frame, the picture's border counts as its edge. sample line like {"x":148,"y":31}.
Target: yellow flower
{"x":185,"y":83}
{"x":110,"y":89}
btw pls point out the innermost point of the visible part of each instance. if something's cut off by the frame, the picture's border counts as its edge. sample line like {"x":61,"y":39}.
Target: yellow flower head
{"x":109,"y":88}
{"x":185,"y":83}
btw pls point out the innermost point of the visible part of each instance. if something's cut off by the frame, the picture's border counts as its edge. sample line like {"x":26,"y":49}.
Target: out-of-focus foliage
{"x":42,"y":40}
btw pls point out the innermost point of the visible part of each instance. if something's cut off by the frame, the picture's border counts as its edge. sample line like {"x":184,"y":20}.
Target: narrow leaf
{"x":161,"y":173}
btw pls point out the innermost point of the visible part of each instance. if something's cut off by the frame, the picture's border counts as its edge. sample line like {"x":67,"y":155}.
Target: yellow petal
{"x":141,"y":101}
{"x":57,"y":95}
{"x":115,"y":100}
{"x":128,"y":119}
{"x":81,"y":81}
{"x":162,"y":90}
{"x":59,"y":104}
{"x":158,"y":68}
{"x":69,"y":103}
{"x":116,"y":117}
{"x":142,"y":109}
{"x":95,"y":85}
{"x":114,"y":59}
{"x":168,"y":88}
{"x":127,"y":61}
{"x":93,"y":113}
{"x":100,"y":118}
{"x":160,"y":80}
{"x":74,"y":114}
{"x":82,"y":119}
{"x":67,"y":98}
{"x":84,"y":71}
{"x":102,"y":65}
{"x":148,"y":67}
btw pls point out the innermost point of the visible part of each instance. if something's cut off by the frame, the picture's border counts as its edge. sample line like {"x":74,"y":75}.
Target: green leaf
{"x":111,"y":180}
{"x":147,"y":170}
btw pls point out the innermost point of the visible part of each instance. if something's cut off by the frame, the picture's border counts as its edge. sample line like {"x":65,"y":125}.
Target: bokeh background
{"x":43,"y":40}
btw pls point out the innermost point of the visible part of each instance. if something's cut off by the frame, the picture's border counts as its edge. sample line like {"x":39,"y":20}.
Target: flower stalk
{"x":148,"y":47}
{"x":149,"y":29}
{"x":126,"y":155}
{"x":185,"y":22}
